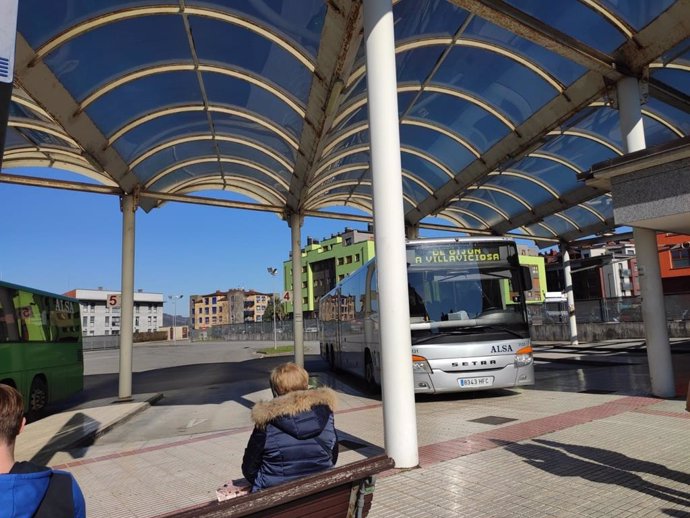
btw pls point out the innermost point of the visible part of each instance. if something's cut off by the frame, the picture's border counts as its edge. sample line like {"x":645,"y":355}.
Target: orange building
{"x":674,"y":261}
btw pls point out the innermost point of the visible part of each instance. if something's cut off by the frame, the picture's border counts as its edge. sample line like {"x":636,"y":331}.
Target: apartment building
{"x":233,"y":306}
{"x":101,"y":318}
{"x":328,"y":262}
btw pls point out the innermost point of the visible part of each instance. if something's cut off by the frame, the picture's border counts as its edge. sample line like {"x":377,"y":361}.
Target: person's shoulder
{"x":293,"y":403}
{"x":24,"y":467}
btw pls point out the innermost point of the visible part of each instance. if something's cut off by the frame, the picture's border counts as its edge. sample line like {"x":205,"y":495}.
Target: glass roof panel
{"x":558,"y":225}
{"x":143,"y":137}
{"x":41,"y":138}
{"x":356,"y":139}
{"x":172,"y":155}
{"x":254,"y":155}
{"x":218,"y":42}
{"x":509,"y":86}
{"x":487,"y":214}
{"x":151,"y":40}
{"x":555,"y":175}
{"x":229,"y":125}
{"x":470,"y":221}
{"x":355,"y":158}
{"x":561,"y":68}
{"x":14,"y":138}
{"x":416,"y":64}
{"x":603,"y":205}
{"x":576,"y":20}
{"x":414,"y":190}
{"x":578,"y":150}
{"x":602,"y":121}
{"x":445,"y":149}
{"x":678,"y":79}
{"x":657,"y":133}
{"x":227,"y":90}
{"x":424,"y":170}
{"x":538,"y":230}
{"x":503,"y":202}
{"x":300,"y":20}
{"x":362,"y":113}
{"x":56,"y":17}
{"x":581,"y":216}
{"x":638,"y":13}
{"x":211,"y":168}
{"x":481,"y":128}
{"x":438,"y":17}
{"x":20,"y":111}
{"x":680,"y":119}
{"x":531,"y":192}
{"x":134,"y":100}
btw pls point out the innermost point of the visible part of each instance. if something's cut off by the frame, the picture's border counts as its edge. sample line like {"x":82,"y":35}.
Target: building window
{"x":214,"y":320}
{"x":206,"y":320}
{"x":214,"y":300}
{"x":214,"y":310}
{"x":92,"y":320}
{"x":137,"y":308}
{"x":107,"y":331}
{"x":205,"y":300}
{"x":220,"y":309}
{"x":116,"y":322}
{"x":201,"y":320}
{"x":84,"y":321}
{"x":341,"y":261}
{"x":192,"y":311}
{"x":136,"y":321}
{"x":356,"y":258}
{"x":680,"y":258}
{"x":107,"y":320}
{"x":206,"y":311}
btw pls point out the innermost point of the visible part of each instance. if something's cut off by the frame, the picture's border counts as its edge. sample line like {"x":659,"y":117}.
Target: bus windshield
{"x":468,"y":285}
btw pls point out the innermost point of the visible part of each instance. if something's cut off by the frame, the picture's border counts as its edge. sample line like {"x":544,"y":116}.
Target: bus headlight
{"x":420,"y":364}
{"x":523,"y":356}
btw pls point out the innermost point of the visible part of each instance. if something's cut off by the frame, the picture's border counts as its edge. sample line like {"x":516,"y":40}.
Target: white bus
{"x":468,"y":318}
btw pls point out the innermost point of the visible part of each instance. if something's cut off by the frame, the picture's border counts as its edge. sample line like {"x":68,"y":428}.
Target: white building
{"x":616,"y":276}
{"x":100,"y":318}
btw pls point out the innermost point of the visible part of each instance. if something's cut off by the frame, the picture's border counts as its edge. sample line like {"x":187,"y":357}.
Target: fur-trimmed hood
{"x":293,"y":404}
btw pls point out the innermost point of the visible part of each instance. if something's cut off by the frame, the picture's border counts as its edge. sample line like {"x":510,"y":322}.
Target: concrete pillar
{"x":297,"y":315}
{"x":399,"y":419}
{"x":652,"y":294}
{"x":8,"y":35}
{"x":570,"y":297}
{"x":129,"y":207}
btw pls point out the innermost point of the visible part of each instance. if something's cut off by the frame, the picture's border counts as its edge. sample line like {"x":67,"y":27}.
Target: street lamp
{"x":174,"y":299}
{"x":274,"y":272}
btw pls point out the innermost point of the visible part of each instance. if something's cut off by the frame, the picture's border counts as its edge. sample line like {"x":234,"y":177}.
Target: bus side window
{"x":9,"y":332}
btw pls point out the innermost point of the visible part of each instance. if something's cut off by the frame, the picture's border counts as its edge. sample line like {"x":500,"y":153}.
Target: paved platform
{"x":613,"y":451}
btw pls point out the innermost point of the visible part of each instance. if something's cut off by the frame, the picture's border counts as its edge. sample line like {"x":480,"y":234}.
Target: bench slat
{"x":310,"y":489}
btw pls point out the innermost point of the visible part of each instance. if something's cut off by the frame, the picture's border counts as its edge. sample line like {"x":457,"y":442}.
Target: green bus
{"x":40,"y":345}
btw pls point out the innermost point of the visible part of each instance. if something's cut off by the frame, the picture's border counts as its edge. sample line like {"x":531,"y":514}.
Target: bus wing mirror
{"x":526,"y":278}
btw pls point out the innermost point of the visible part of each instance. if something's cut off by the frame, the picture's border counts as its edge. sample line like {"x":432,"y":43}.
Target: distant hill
{"x":179,"y":320}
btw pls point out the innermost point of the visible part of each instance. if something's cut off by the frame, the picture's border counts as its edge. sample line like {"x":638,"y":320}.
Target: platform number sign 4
{"x":113,"y":300}
{"x":286,"y":296}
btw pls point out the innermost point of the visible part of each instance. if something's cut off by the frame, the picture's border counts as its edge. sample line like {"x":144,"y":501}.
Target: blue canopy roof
{"x":504,"y":105}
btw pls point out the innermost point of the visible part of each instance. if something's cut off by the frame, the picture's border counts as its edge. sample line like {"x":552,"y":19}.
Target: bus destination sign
{"x":454,"y":254}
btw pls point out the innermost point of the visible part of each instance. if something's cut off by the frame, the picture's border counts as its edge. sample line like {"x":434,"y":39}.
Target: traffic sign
{"x":113,"y":300}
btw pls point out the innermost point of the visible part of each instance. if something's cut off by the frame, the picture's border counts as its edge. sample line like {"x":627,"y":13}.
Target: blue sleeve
{"x":253,"y":454}
{"x":79,"y":502}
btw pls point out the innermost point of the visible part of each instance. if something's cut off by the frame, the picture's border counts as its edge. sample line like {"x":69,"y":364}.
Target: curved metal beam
{"x":211,"y":159}
{"x":138,"y":12}
{"x":473,"y":43}
{"x":472,"y":199}
{"x":466,"y":212}
{"x":269,"y":195}
{"x":172,"y":110}
{"x":221,"y":138}
{"x":524,"y":176}
{"x":42,"y":127}
{"x":181,"y":67}
{"x":505,"y":192}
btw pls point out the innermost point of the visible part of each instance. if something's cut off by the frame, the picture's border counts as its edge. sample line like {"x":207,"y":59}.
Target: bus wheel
{"x":38,"y":395}
{"x":369,"y":369}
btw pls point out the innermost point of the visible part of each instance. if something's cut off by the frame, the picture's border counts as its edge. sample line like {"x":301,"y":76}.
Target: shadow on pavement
{"x":80,"y":430}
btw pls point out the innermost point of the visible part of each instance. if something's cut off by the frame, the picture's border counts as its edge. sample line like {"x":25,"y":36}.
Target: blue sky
{"x":58,"y":240}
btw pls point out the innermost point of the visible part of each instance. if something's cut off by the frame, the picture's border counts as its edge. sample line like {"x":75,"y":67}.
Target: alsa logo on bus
{"x":451,"y":255}
{"x":63,"y":305}
{"x":504,"y":348}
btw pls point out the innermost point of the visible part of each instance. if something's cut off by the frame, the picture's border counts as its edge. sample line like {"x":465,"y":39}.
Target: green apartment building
{"x":327,"y":262}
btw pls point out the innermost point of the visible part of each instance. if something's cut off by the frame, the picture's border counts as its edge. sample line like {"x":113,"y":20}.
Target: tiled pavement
{"x":501,"y":454}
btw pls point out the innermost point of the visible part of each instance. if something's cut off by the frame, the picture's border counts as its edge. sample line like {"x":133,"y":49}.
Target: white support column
{"x":570,"y":297}
{"x":8,"y":35}
{"x":646,"y":250}
{"x":400,"y":425}
{"x":297,"y":315}
{"x":127,"y":296}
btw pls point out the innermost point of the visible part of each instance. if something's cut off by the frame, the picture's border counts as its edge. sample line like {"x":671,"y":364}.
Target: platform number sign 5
{"x":113,"y":300}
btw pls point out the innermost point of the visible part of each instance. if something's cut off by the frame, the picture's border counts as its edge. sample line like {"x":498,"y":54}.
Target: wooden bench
{"x":342,"y":491}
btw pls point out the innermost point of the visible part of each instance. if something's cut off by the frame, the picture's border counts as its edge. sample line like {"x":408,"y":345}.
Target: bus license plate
{"x":486,"y":381}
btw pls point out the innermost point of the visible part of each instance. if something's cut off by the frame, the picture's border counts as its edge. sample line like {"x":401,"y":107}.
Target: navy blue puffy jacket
{"x":294,"y":436}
